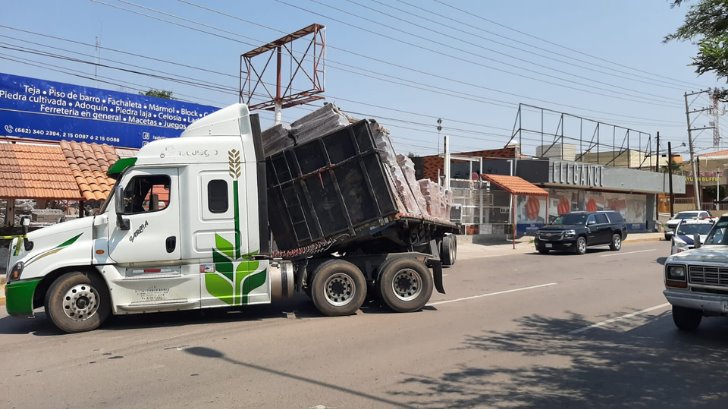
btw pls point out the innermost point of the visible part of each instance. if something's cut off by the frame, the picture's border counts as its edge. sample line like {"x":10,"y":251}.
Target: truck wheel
{"x":616,"y":243}
{"x":686,"y":319}
{"x":77,"y":302}
{"x":338,"y":288}
{"x":448,"y":250}
{"x":405,"y":284}
{"x":580,"y":247}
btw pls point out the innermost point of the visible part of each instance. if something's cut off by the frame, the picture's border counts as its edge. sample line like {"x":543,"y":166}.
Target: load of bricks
{"x":413,"y":198}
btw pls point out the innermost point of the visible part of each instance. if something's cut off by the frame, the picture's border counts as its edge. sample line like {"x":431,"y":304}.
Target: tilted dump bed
{"x":335,"y":192}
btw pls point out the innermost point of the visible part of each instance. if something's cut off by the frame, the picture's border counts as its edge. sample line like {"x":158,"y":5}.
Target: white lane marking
{"x":627,"y":252}
{"x":490,"y":294}
{"x":615,"y":319}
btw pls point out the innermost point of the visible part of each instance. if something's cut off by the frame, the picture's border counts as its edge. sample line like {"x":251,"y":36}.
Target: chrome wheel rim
{"x":81,"y":302}
{"x":581,"y":244}
{"x":339,"y":289}
{"x":617,"y":242}
{"x":407,"y":284}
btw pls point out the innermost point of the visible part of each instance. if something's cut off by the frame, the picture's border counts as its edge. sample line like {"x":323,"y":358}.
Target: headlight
{"x":16,"y":271}
{"x":570,"y":233}
{"x":676,"y":273}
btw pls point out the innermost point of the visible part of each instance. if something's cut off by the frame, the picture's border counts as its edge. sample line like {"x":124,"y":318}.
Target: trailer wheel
{"x":77,"y":302}
{"x":405,"y":284}
{"x":338,"y":288}
{"x":448,"y":250}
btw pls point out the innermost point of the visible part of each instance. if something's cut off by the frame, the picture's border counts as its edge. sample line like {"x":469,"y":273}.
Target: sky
{"x":404,"y":62}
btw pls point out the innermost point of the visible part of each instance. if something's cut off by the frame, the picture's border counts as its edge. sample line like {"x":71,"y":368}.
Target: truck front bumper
{"x":710,"y":304}
{"x":566,"y":244}
{"x":19,"y":297}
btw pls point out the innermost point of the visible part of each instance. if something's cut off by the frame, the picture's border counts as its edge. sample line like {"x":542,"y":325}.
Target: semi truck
{"x":192,"y":221}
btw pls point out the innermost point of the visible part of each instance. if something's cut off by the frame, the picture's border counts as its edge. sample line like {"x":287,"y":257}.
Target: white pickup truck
{"x":696,"y":280}
{"x":206,"y":244}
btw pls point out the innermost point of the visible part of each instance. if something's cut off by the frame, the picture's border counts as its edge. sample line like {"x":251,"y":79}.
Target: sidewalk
{"x":468,"y":250}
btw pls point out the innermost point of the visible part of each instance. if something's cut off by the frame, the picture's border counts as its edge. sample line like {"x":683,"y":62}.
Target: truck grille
{"x":707,"y":275}
{"x":551,"y":236}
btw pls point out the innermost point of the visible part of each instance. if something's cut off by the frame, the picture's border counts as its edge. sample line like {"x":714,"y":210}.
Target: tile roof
{"x":35,"y":172}
{"x":88,"y":164}
{"x":516,"y":185}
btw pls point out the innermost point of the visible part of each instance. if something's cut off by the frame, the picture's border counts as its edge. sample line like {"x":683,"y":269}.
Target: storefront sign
{"x":578,"y":174}
{"x":38,"y":109}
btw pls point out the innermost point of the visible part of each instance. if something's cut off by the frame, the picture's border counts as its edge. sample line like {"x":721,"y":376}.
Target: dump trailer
{"x":212,"y":220}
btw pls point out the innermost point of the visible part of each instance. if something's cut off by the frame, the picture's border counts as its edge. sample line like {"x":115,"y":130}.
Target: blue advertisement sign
{"x":39,"y":109}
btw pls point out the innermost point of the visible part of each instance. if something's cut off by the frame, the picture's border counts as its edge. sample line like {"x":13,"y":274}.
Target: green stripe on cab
{"x":19,"y":297}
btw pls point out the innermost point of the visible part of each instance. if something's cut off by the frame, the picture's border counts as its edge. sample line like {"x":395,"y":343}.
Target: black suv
{"x":576,"y":230}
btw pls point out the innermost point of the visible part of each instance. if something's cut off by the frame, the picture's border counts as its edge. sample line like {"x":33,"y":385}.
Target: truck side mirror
{"x":696,"y":239}
{"x":25,"y":222}
{"x":121,"y":222}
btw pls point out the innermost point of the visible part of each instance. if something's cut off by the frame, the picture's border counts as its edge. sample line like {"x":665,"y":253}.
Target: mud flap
{"x":436,"y":266}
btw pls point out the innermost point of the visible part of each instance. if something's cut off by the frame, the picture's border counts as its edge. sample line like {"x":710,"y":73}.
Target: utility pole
{"x":669,"y":170}
{"x":691,"y":145}
{"x":657,"y":153}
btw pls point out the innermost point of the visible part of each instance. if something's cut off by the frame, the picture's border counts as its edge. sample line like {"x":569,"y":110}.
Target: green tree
{"x":159,"y":93}
{"x":706,"y":25}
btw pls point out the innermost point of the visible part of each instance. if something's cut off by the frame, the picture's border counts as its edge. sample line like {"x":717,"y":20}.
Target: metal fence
{"x":479,"y":209}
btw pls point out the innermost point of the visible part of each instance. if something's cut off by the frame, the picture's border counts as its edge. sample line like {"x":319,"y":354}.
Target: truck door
{"x":151,"y":208}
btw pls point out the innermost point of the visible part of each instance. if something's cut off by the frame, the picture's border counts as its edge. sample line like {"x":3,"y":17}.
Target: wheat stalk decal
{"x":234,"y":163}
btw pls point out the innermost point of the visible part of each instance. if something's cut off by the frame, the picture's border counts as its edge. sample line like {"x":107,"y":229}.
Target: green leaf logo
{"x":233,"y":283}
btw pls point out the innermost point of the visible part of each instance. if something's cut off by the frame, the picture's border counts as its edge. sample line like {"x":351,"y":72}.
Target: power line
{"x":421,"y":71}
{"x":472,"y":62}
{"x":471,"y":14}
{"x":470,"y":43}
{"x":461,"y":24}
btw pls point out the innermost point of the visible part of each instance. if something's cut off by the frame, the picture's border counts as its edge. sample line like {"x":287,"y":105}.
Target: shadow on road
{"x":661,"y":260}
{"x":652,"y":366}
{"x":297,"y":307}
{"x":204,"y":352}
{"x":568,"y":252}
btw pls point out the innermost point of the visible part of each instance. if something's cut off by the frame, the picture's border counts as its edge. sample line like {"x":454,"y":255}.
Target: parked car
{"x":684,"y":237}
{"x":688,"y":214}
{"x":576,"y":230}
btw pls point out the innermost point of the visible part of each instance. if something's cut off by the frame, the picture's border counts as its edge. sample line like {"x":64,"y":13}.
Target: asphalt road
{"x":523,"y":330}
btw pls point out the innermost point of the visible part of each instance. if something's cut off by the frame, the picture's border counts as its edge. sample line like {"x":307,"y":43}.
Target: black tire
{"x":543,"y":250}
{"x":448,"y":250}
{"x":78,"y":302}
{"x":686,"y":319}
{"x":668,"y":236}
{"x":338,"y":288}
{"x":405,"y":284}
{"x":616,"y":243}
{"x":580,"y":245}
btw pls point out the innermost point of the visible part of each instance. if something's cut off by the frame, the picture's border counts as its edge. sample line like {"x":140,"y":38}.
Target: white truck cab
{"x":180,"y":231}
{"x":696,"y":280}
{"x":187,"y":227}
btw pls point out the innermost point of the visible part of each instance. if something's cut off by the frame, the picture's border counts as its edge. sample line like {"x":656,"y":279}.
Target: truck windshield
{"x":718,"y":234}
{"x":690,"y":229}
{"x":571,"y":218}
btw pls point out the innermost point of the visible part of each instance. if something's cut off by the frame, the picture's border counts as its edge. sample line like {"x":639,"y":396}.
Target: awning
{"x":515,"y":185}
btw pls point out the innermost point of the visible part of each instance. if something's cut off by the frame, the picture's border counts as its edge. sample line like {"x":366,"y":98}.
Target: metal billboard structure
{"x":264,"y":87}
{"x":593,"y":141}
